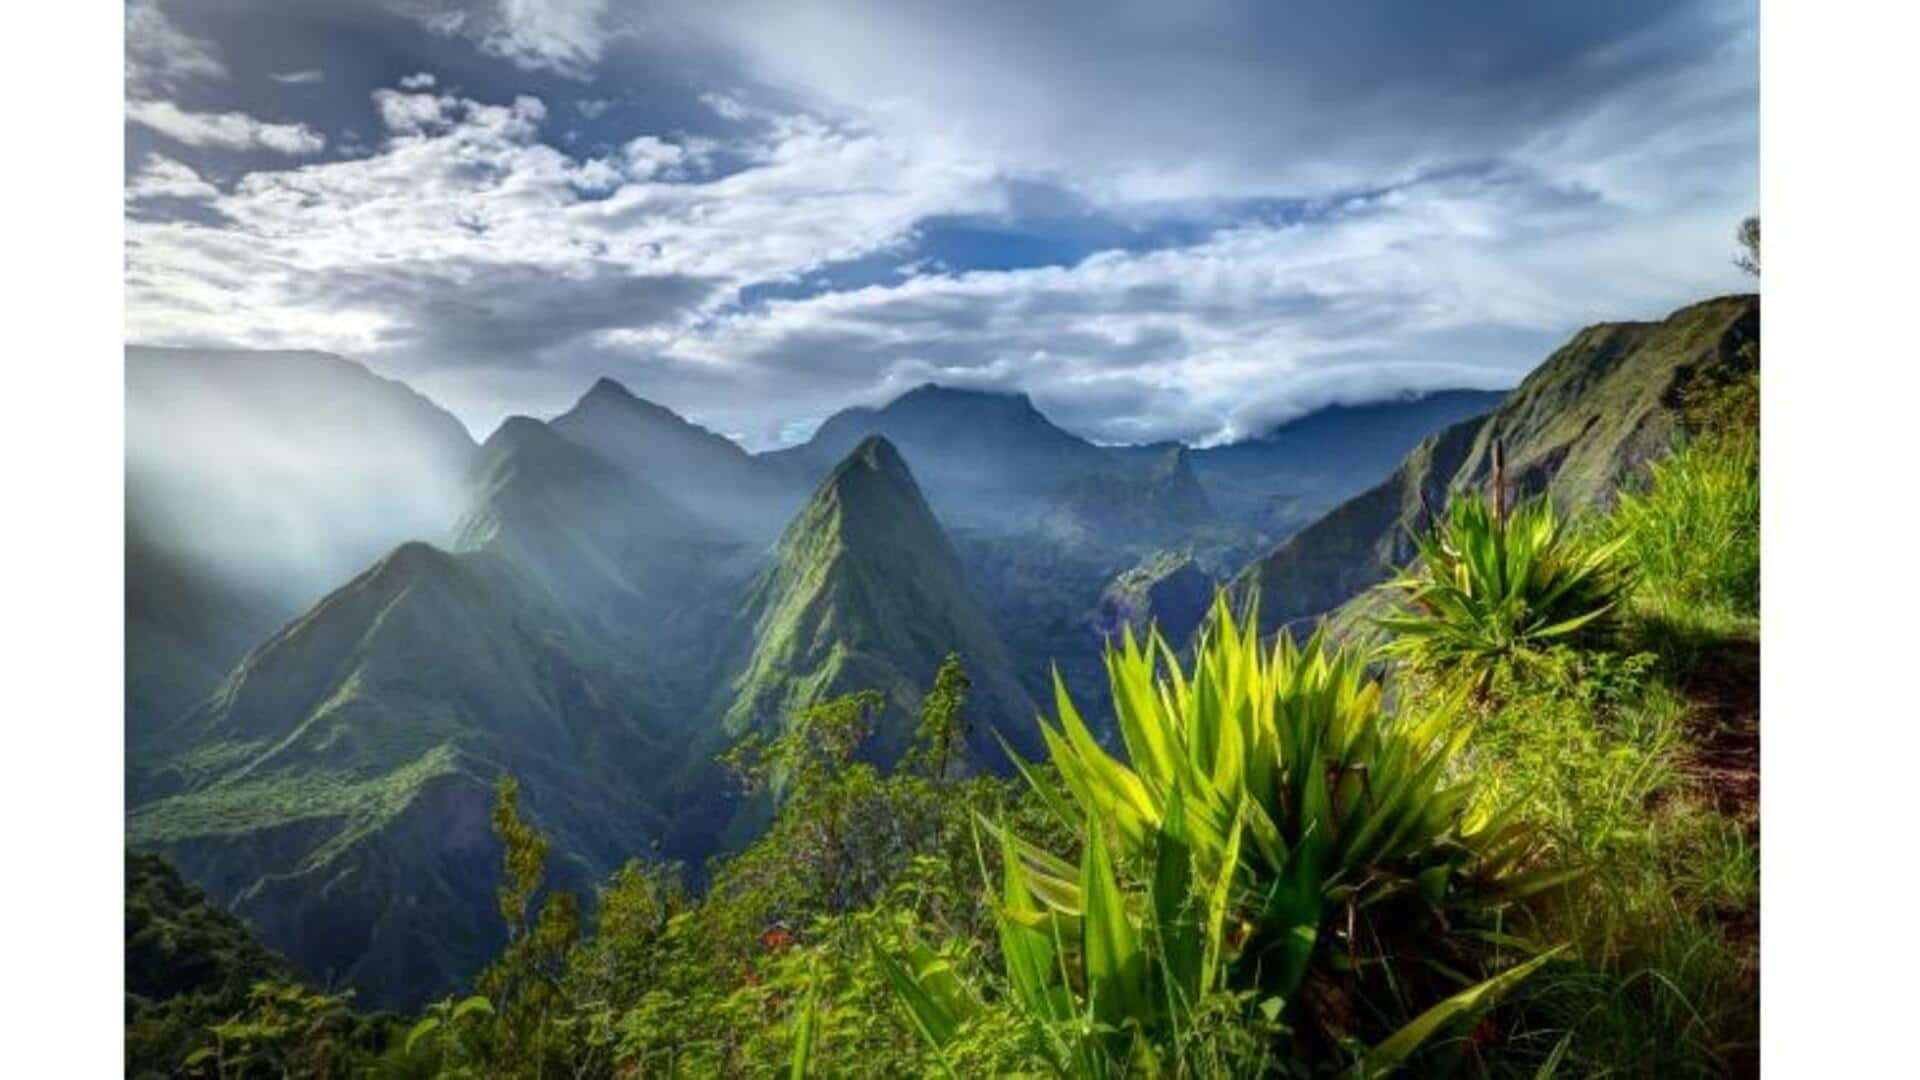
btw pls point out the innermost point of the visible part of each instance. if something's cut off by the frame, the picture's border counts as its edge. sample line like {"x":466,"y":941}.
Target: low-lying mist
{"x":284,"y":473}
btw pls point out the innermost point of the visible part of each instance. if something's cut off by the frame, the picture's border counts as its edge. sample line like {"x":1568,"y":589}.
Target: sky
{"x":1161,"y":221}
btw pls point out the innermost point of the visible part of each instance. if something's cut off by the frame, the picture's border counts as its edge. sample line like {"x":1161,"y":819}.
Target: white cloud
{"x":160,"y":55}
{"x":726,"y":106}
{"x":1465,"y":282}
{"x":228,"y":130}
{"x":417,"y":81}
{"x":299,"y":78}
{"x":464,"y":240}
{"x":162,"y":176}
{"x":1470,"y":203}
{"x":566,"y":37}
{"x":411,"y":112}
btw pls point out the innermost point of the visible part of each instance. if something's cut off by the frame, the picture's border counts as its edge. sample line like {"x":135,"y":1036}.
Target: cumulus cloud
{"x":161,"y":56}
{"x":1459,"y":282}
{"x":227,"y":130}
{"x":464,"y":241}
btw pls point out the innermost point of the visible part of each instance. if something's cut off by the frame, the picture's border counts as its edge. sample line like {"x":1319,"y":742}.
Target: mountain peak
{"x":877,"y":454}
{"x":936,"y":391}
{"x":606,"y":388}
{"x":866,"y":592}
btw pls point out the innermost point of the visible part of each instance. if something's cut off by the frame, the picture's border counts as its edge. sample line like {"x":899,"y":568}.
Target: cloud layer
{"x":1281,"y":213}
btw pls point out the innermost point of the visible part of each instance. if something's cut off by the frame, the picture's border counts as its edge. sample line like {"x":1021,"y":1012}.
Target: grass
{"x":1694,"y":532}
{"x":1597,"y":749}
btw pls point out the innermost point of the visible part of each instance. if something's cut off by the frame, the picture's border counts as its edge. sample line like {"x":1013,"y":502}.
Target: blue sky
{"x":1162,"y":221}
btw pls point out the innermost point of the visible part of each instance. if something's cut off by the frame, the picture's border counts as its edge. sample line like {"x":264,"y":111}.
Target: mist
{"x":284,"y":473}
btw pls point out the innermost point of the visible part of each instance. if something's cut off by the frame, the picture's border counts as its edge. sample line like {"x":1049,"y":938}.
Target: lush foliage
{"x":1279,"y":839}
{"x":1494,"y":589}
{"x":1290,"y":857}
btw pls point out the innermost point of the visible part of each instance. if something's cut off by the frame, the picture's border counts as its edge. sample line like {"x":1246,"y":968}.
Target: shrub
{"x":1489,"y":593}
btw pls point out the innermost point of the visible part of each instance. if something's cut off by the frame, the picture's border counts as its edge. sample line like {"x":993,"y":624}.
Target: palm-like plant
{"x":1290,"y":833}
{"x":1492,"y":589}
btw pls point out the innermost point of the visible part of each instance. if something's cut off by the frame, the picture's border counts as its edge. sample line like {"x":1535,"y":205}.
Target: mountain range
{"x":600,"y":603}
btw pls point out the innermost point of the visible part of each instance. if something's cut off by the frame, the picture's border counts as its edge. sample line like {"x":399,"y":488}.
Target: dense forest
{"x":1455,"y":774}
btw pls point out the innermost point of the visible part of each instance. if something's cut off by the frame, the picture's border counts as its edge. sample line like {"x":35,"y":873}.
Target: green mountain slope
{"x":334,"y":790}
{"x":865,"y":592}
{"x":1595,"y":412}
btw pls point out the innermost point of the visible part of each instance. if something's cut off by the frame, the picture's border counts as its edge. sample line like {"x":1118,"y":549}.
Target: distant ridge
{"x":1585,"y":420}
{"x":704,"y":472}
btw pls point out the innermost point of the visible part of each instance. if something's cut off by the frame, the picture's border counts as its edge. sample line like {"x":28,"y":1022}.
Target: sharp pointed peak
{"x":874,"y":455}
{"x":607,"y":388}
{"x":878,"y":453}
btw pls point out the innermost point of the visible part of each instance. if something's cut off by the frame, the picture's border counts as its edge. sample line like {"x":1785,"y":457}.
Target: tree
{"x":522,"y":985}
{"x":1749,"y":238}
{"x":943,"y":730}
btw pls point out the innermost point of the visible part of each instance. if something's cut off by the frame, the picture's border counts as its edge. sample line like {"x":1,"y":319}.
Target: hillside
{"x":187,"y":625}
{"x":1595,"y":412}
{"x":865,"y":592}
{"x":334,"y":790}
{"x":609,"y":605}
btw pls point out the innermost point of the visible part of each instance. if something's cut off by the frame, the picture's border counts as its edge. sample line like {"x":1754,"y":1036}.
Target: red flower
{"x":776,"y":939}
{"x":1481,"y":1038}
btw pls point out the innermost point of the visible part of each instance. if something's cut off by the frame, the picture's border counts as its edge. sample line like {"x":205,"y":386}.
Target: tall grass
{"x":1694,"y":530}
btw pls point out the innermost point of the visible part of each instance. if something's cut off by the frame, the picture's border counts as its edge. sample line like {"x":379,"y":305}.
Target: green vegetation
{"x":1279,"y":841}
{"x":865,"y":593}
{"x":1512,"y":835}
{"x":1494,"y":589}
{"x":1632,"y":758}
{"x":1694,"y":531}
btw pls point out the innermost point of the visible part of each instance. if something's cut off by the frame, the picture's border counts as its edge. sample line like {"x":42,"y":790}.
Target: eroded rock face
{"x":1167,"y":589}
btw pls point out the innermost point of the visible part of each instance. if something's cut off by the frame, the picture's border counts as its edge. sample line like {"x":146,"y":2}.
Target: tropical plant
{"x":285,"y":1030}
{"x":1298,"y":842}
{"x":439,"y":1034}
{"x":1492,"y":589}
